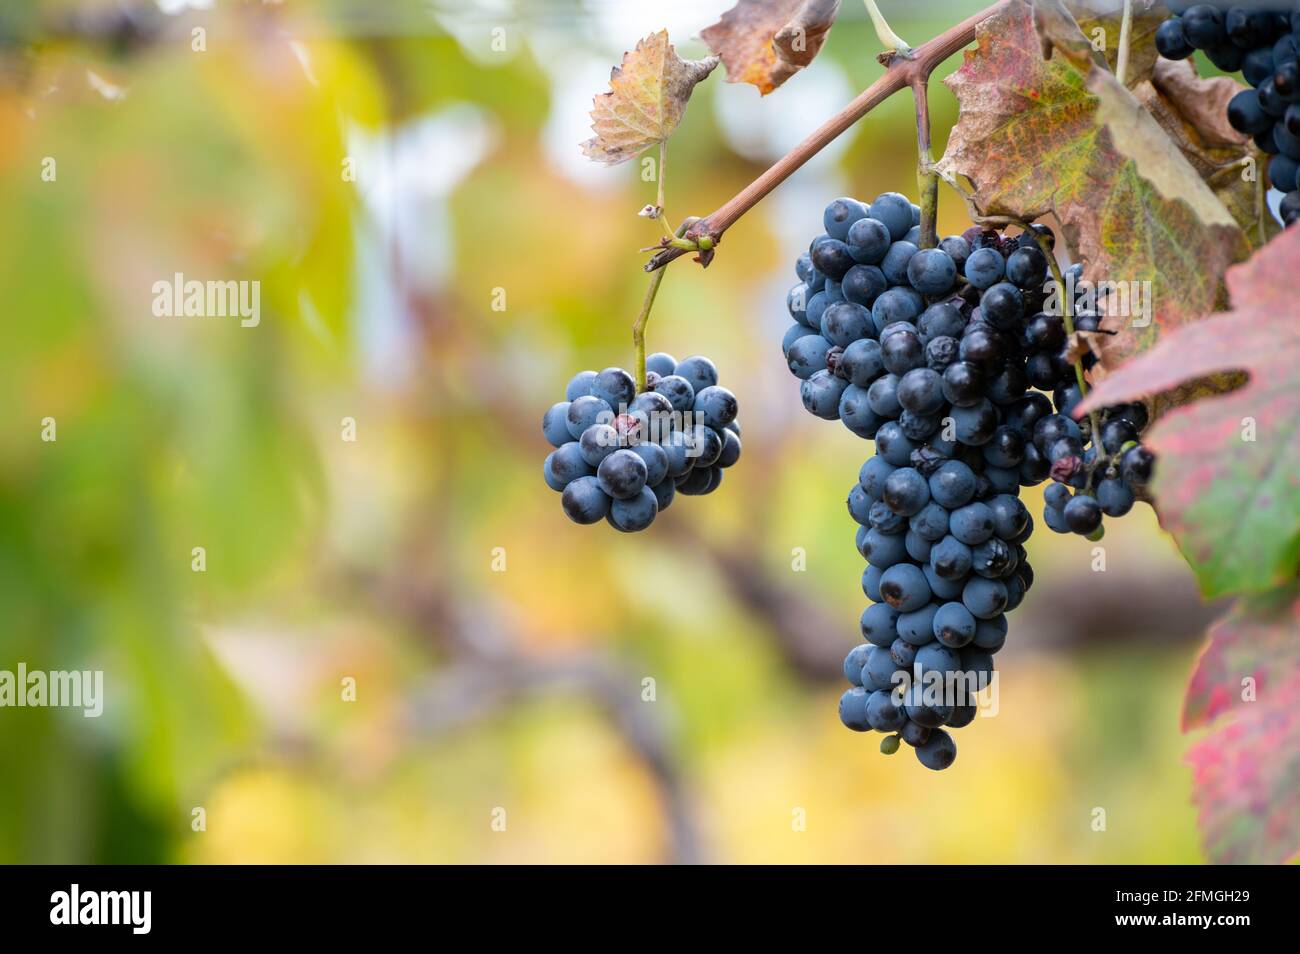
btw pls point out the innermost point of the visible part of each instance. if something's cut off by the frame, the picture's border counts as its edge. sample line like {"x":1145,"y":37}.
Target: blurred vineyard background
{"x":477,"y":688}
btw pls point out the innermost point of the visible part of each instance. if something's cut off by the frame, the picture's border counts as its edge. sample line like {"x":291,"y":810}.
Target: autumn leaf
{"x":1062,"y":136}
{"x":1228,"y":477}
{"x":1246,"y":773}
{"x":1193,"y":111}
{"x":765,"y":42}
{"x":647,"y":96}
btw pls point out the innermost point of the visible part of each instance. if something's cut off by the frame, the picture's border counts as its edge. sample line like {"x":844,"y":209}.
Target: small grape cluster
{"x":932,"y":353}
{"x":1263,"y":43}
{"x":623,"y":456}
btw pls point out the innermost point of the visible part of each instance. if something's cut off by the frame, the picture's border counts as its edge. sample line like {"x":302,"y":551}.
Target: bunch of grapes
{"x":931,"y":353}
{"x":1263,"y":43}
{"x":623,"y":456}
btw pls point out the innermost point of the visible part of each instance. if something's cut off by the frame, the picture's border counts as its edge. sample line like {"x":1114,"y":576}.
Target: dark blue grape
{"x":1027,"y":268}
{"x":879,"y":516}
{"x":985,"y":268}
{"x":894,"y":211}
{"x":1009,"y":516}
{"x":1172,"y":42}
{"x":917,"y":626}
{"x":918,"y":548}
{"x":868,"y":241}
{"x":880,"y":624}
{"x":903,"y":653}
{"x":884,"y":550}
{"x":678,"y":391}
{"x":904,"y":587}
{"x":859,"y":505}
{"x":952,"y":485}
{"x":921,"y":391}
{"x":931,"y":523}
{"x":665,"y":492}
{"x":883,"y":714}
{"x":555,"y":424}
{"x":856,"y":413}
{"x":863,"y":284}
{"x":598,"y":442}
{"x":1002,"y":305}
{"x":580,"y":385}
{"x":584,"y":502}
{"x":699,"y":371}
{"x":615,"y":387}
{"x":854,"y":661}
{"x":716,"y":406}
{"x":925,"y":713}
{"x":951,"y":559}
{"x":913,"y":733}
{"x":1082,"y":514}
{"x":874,"y":472}
{"x":730,"y":448}
{"x":896,"y":261}
{"x":1115,"y":498}
{"x":971,"y":524}
{"x":862,"y":362}
{"x":883,"y":396}
{"x":586,"y":411}
{"x":878,"y":673}
{"x":932,"y":271}
{"x":991,"y":634}
{"x":984,"y":598}
{"x":954,"y":626}
{"x":808,"y":356}
{"x":622,"y":475}
{"x":938,"y":751}
{"x":821,"y":394}
{"x":655,"y":459}
{"x":567,"y":463}
{"x":894,"y":305}
{"x":853,"y":709}
{"x":833,"y":259}
{"x":906,"y":491}
{"x":840,"y":214}
{"x":846,"y":322}
{"x":635,"y":513}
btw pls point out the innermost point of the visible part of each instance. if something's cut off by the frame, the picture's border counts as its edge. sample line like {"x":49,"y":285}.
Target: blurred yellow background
{"x":398,"y":649}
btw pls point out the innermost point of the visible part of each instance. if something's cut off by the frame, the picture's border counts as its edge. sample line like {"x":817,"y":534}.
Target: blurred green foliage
{"x":328,"y":559}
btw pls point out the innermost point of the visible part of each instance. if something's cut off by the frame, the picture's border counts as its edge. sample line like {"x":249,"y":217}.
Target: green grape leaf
{"x":648,"y":93}
{"x":1227,"y":479}
{"x":1061,"y":136}
{"x":1246,"y":772}
{"x":765,"y":42}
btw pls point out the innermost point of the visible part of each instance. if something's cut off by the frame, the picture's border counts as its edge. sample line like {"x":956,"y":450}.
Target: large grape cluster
{"x":1262,"y":41}
{"x":622,"y":456}
{"x":932,"y":354}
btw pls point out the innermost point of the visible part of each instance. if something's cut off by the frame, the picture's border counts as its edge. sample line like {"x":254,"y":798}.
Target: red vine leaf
{"x":765,"y":42}
{"x":647,"y":96}
{"x":1062,"y":136}
{"x":1246,"y":773}
{"x":1228,"y":477}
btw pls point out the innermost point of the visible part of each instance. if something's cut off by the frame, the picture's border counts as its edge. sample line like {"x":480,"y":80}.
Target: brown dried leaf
{"x":1064,"y":137}
{"x":765,"y":42}
{"x":647,"y":96}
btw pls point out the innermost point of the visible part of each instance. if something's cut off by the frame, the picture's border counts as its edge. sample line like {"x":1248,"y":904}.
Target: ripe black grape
{"x":932,"y":354}
{"x":622,"y":456}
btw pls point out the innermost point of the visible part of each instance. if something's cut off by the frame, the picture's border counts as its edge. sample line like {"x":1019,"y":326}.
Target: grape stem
{"x":885,"y":33}
{"x":1121,"y":57}
{"x":647,"y":303}
{"x":902,"y":72}
{"x":1067,"y":312}
{"x":927,"y":179}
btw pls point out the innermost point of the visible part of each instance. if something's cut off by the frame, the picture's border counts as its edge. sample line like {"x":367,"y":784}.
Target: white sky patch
{"x":404,"y":179}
